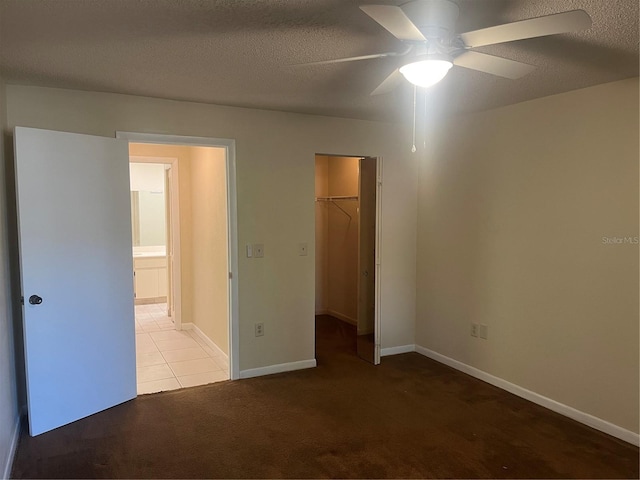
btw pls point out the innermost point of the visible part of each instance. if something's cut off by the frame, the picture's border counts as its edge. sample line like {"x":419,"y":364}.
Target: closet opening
{"x":347,"y":211}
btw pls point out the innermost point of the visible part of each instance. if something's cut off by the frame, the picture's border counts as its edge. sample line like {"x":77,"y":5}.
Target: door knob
{"x":35,"y":300}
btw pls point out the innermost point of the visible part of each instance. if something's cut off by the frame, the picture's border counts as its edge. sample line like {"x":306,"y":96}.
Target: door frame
{"x":378,"y":261}
{"x":378,"y":248}
{"x":176,"y":278}
{"x":232,"y":224}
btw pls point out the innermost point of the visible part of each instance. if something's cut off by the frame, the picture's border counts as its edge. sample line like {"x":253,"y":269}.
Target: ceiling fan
{"x":432,"y":46}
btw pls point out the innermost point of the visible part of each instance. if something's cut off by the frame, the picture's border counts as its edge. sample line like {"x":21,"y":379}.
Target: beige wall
{"x":209,"y":243}
{"x":146,"y":176}
{"x":513,"y":206}
{"x":342,"y":269}
{"x":8,"y":394}
{"x":275,"y":155}
{"x":337,"y":238}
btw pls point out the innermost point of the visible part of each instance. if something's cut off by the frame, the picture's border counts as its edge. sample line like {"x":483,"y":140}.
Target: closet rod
{"x":336,"y":197}
{"x":333,"y":200}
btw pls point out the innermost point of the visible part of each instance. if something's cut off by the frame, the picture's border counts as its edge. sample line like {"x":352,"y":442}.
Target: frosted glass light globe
{"x":426,"y":73}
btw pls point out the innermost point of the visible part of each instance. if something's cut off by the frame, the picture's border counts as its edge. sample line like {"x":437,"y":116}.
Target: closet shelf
{"x":335,"y":198}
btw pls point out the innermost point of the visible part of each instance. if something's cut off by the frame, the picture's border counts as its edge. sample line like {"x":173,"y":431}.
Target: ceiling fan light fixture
{"x":426,"y":73}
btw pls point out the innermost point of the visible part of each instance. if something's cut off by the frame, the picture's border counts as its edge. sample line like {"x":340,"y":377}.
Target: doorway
{"x":155,"y":227}
{"x":183,"y":328}
{"x":347,"y":191}
{"x":73,"y":205}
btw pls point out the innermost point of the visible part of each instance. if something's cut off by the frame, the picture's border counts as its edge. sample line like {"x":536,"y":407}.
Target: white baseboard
{"x":561,"y":408}
{"x":13,"y":445}
{"x":342,"y":317}
{"x":385,"y":352}
{"x":210,"y":343}
{"x":279,"y":368}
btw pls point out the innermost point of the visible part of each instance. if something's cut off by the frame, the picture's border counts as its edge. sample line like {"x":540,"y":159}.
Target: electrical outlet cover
{"x":302,"y":249}
{"x":259,"y":329}
{"x":258,"y":250}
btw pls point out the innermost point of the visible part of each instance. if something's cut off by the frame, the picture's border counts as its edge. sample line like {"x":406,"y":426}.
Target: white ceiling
{"x":240,"y":52}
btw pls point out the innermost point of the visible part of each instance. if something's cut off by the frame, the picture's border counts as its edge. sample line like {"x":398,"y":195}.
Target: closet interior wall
{"x":337,"y":237}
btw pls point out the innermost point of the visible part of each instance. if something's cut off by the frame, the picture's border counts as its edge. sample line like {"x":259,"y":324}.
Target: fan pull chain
{"x":413,"y":147}
{"x":425,"y":121}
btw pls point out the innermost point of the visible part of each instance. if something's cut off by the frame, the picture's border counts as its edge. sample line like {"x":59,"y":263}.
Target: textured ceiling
{"x":239,"y":53}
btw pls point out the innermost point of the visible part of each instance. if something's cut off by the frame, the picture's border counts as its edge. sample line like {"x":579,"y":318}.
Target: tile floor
{"x":167,"y":359}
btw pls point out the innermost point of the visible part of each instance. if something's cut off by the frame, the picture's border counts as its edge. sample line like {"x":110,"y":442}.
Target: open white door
{"x":367,"y":232}
{"x":77,"y":274}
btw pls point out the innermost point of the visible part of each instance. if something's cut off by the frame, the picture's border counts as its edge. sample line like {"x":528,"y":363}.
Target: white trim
{"x":377,"y":330}
{"x":385,"y":352}
{"x":13,"y":445}
{"x":561,"y":408}
{"x":232,"y":219}
{"x":279,"y":368}
{"x":210,"y":343}
{"x":232,"y":227}
{"x":342,"y":317}
{"x":152,"y":159}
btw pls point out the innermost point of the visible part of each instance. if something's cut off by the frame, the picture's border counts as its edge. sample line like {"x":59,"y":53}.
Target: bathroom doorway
{"x":155,"y":223}
{"x":180,"y":226}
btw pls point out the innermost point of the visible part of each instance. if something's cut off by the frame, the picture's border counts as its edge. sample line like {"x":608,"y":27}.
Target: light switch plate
{"x":249,"y":250}
{"x":258,"y":250}
{"x":484,"y":331}
{"x":302,"y":249}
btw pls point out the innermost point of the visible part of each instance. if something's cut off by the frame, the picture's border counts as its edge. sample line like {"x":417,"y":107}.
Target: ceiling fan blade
{"x":572,"y":21}
{"x":354,"y":59}
{"x":394,"y":20}
{"x":389,"y":83}
{"x":499,"y":66}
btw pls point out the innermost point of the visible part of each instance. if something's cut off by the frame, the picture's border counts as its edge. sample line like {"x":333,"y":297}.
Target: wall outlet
{"x":484,"y":331}
{"x":302,"y":249}
{"x":259,"y":329}
{"x":474,"y":329}
{"x":258,"y":250}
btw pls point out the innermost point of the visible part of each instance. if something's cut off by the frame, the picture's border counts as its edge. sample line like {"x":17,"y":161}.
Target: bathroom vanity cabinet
{"x":150,"y":273}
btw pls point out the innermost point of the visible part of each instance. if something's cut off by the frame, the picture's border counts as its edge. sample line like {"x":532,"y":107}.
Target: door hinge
{"x":230,"y":275}
{"x":22,"y":300}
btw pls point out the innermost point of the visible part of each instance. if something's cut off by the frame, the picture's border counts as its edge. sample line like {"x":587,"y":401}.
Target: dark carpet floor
{"x":409,"y":417}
